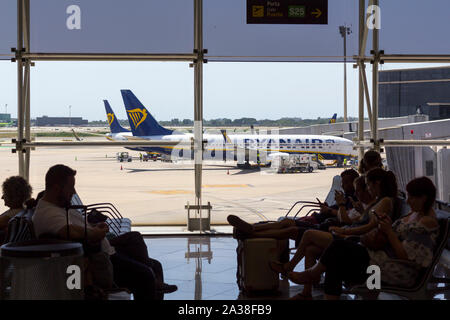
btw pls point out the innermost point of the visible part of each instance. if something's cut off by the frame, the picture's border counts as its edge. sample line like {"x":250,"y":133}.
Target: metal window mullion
{"x":109,"y":57}
{"x":362,"y":71}
{"x":405,"y":58}
{"x":405,"y":143}
{"x":27,"y":83}
{"x":26,"y":89}
{"x":362,"y":27}
{"x":376,"y":60}
{"x":198,"y":107}
{"x":26,"y":24}
{"x":154,"y":143}
{"x":365,"y":32}
{"x":415,"y":58}
{"x":20,"y":91}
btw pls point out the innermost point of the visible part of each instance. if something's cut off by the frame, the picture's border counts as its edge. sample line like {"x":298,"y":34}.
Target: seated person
{"x":364,"y":199}
{"x":50,"y":217}
{"x":411,"y":238}
{"x":16,"y":191}
{"x":32,"y":203}
{"x":371,"y":160}
{"x":382,"y":186}
{"x":290,"y":228}
{"x":347,"y":178}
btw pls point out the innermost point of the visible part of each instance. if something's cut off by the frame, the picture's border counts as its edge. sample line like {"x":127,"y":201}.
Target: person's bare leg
{"x":309,"y":276}
{"x":285,"y":223}
{"x":311,"y":254}
{"x":316,"y":238}
{"x":244,"y":226}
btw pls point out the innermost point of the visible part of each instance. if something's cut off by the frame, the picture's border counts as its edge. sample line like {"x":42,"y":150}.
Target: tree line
{"x":242,"y":122}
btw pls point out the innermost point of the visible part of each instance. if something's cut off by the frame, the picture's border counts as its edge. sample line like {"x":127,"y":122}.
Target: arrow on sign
{"x":317,"y":13}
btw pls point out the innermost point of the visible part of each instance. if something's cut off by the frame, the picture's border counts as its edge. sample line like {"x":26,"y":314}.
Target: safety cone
{"x":121,"y":167}
{"x":228,"y":171}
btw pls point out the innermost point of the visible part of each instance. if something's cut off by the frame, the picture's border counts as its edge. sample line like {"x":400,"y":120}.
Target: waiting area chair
{"x":426,"y":286}
{"x":117,"y":223}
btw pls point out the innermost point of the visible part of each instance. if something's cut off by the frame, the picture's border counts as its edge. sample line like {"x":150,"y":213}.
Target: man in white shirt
{"x":50,"y":218}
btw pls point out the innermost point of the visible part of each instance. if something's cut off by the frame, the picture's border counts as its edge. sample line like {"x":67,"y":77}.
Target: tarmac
{"x":155,"y":193}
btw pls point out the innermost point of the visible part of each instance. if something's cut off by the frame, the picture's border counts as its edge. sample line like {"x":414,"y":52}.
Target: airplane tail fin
{"x":141,"y":121}
{"x":333,"y":118}
{"x":114,"y":124}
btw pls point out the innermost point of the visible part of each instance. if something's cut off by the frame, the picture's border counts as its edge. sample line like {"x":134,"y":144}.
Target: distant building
{"x":5,"y":118}
{"x":409,"y":91}
{"x":60,"y":121}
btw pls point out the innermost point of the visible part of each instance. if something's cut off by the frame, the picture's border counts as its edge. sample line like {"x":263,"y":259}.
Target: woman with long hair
{"x":411,"y":238}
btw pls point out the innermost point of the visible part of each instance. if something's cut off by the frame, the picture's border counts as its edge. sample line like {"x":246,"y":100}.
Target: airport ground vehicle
{"x":294,"y":163}
{"x":149,"y":156}
{"x":123,"y":157}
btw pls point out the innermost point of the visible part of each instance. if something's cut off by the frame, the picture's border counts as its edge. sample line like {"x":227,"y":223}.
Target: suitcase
{"x":253,"y":272}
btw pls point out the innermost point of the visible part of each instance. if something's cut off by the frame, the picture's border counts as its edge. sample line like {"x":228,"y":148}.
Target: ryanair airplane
{"x":118,"y":133}
{"x":234,"y":147}
{"x":333,"y":118}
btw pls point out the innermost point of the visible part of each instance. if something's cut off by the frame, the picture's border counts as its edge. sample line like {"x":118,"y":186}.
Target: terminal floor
{"x":204,"y":268}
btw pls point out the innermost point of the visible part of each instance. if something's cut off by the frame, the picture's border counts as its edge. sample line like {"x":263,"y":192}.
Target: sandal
{"x":278,"y":267}
{"x":301,"y":296}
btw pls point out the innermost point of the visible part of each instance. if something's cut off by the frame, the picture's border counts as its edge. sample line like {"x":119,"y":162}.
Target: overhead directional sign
{"x":287,"y":12}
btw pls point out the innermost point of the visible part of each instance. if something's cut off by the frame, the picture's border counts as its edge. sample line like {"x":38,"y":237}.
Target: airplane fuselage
{"x":237,"y":146}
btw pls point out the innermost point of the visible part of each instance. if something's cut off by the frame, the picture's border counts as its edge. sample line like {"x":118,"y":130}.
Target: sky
{"x":231,"y":90}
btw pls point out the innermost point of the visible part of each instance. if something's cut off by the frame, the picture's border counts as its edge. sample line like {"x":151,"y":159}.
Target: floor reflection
{"x":189,"y":263}
{"x":195,"y":250}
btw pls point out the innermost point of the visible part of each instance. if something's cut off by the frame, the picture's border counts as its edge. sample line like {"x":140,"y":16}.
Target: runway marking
{"x":170,"y":192}
{"x":226,"y":186}
{"x":239,"y":204}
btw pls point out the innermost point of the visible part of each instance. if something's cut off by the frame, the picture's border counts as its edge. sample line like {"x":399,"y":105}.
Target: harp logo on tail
{"x":137,"y":116}
{"x":110,"y":117}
